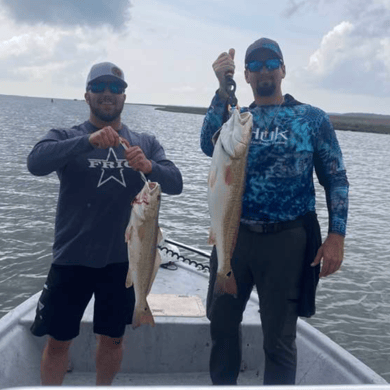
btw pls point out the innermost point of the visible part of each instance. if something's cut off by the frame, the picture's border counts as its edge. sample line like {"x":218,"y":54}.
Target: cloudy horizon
{"x":337,"y":53}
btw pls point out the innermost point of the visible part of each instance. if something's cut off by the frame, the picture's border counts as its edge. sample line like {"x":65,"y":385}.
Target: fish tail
{"x":142,"y":315}
{"x":225,"y":284}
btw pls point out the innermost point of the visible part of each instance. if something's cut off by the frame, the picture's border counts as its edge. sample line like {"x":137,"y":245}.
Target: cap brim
{"x":108,"y":77}
{"x":256,"y":52}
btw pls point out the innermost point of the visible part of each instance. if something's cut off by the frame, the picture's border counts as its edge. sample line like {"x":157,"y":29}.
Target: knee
{"x":56,"y":347}
{"x":110,"y":344}
{"x":225,"y":318}
{"x":278,"y":349}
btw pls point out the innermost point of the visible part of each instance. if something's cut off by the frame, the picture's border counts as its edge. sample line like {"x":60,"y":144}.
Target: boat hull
{"x":177,"y":350}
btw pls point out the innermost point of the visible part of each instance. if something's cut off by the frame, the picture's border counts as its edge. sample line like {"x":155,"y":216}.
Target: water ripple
{"x":352,"y":305}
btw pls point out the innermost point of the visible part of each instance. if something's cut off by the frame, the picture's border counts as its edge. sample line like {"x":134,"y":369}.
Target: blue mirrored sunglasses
{"x":272,"y":64}
{"x":113,"y":87}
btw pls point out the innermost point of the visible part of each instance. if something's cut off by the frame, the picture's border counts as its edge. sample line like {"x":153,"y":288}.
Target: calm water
{"x":353,"y":306}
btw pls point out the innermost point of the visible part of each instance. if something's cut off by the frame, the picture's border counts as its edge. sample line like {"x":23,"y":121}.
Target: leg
{"x":279,"y":330}
{"x":61,"y":305}
{"x":108,"y":359}
{"x":225,"y":357}
{"x":278,"y":274}
{"x":54,"y":362}
{"x":114,"y":305}
{"x":225,"y":314}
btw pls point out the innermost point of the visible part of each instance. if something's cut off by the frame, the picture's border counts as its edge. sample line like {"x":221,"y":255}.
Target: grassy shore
{"x":369,"y":123}
{"x":361,"y":122}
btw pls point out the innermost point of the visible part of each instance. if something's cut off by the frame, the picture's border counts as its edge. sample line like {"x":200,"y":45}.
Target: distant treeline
{"x":361,"y":122}
{"x":370,"y":123}
{"x":184,"y":110}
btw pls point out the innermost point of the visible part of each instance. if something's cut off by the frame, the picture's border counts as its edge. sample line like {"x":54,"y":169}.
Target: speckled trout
{"x":226,"y":183}
{"x":142,"y":235}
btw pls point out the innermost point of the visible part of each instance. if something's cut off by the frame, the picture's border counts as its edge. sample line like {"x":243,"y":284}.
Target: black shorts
{"x":66,"y":294}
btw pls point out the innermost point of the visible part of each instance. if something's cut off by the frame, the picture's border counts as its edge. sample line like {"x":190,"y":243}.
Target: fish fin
{"x":157,"y":262}
{"x":212,"y":178}
{"x":128,"y":233}
{"x":142,"y":315}
{"x":129,"y":279}
{"x":160,"y":235}
{"x":225,"y":284}
{"x":216,"y":135}
{"x":212,"y":239}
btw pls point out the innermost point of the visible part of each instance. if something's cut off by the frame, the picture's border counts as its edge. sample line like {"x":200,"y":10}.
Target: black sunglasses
{"x":113,"y":87}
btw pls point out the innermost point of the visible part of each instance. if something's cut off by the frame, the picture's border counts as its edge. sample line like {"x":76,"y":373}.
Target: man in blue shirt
{"x":279,"y":247}
{"x":98,"y":181}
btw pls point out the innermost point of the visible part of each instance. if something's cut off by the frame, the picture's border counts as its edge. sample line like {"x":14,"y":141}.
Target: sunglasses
{"x":102,"y":86}
{"x":256,"y":66}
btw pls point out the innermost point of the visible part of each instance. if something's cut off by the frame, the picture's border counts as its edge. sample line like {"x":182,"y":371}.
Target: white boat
{"x":176,"y":351}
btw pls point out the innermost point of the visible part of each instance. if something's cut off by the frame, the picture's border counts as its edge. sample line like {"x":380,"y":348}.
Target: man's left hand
{"x":137,"y":160}
{"x":331,"y":253}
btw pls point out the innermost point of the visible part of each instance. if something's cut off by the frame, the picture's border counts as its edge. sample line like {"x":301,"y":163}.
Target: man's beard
{"x":266,"y":89}
{"x":106,"y":116}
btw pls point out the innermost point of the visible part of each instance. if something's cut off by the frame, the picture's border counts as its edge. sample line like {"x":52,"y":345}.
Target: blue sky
{"x":337,"y":52}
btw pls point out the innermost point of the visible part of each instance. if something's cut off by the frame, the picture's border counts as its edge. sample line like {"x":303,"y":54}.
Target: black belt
{"x":273,"y":227}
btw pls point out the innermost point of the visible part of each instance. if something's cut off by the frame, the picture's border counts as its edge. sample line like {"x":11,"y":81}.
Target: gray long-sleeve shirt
{"x":97,"y":187}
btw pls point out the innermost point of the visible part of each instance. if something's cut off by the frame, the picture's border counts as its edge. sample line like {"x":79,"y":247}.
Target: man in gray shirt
{"x":98,"y":181}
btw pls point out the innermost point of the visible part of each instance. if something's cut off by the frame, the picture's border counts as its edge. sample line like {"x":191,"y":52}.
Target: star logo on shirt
{"x":112,"y":168}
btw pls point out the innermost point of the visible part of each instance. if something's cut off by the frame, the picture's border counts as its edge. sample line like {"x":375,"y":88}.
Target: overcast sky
{"x":337,"y":52}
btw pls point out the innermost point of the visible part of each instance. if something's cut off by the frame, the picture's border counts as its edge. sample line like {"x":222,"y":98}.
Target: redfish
{"x":142,"y":235}
{"x":226,"y":182}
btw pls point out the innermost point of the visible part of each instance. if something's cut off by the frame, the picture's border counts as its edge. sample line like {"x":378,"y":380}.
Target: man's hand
{"x":223,"y":66}
{"x":331,"y":253}
{"x":104,"y":138}
{"x":137,"y":159}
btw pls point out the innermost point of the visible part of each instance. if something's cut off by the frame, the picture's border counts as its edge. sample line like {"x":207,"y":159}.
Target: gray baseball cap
{"x":262,"y":44}
{"x":105,"y":69}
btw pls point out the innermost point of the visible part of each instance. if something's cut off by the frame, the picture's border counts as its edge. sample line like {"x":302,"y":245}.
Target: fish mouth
{"x":154,"y":187}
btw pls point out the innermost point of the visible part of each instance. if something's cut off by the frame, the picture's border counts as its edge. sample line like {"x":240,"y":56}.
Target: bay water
{"x":353,"y":305}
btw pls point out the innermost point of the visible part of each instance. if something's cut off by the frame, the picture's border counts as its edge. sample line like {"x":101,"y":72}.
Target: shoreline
{"x":366,"y":123}
{"x":358,"y":122}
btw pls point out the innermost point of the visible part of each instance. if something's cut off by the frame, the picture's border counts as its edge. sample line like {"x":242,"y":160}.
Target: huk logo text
{"x":275,"y":136}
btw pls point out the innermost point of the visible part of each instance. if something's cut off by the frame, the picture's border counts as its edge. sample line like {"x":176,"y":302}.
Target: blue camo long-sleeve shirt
{"x":279,"y":178}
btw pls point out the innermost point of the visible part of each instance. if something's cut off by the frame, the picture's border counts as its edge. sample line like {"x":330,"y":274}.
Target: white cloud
{"x":352,"y":57}
{"x":167,"y":47}
{"x":335,"y":49}
{"x":40,"y":44}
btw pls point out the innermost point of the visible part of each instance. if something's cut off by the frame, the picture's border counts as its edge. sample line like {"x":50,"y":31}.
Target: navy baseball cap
{"x":262,"y":44}
{"x":106,"y":69}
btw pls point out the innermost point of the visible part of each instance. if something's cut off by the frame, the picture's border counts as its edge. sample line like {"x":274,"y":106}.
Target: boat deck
{"x":247,"y":378}
{"x":185,"y":349}
{"x":176,"y":351}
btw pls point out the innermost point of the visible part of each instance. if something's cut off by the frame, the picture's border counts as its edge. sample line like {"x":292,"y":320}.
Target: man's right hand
{"x":104,"y":138}
{"x":223,"y":66}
